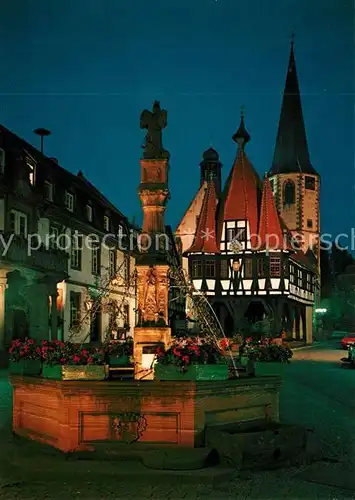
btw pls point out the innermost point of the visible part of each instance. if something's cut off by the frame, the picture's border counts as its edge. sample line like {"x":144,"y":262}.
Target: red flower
{"x":224,"y":343}
{"x":76,"y":359}
{"x":90,"y":360}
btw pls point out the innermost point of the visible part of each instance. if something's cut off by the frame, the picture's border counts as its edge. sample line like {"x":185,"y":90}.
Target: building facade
{"x":253,"y":246}
{"x":67,"y":265}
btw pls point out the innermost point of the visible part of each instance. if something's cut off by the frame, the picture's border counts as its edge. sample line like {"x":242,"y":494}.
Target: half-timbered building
{"x":253,"y":247}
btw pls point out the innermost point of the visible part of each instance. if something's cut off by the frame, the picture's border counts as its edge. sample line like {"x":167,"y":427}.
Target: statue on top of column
{"x":154,"y":121}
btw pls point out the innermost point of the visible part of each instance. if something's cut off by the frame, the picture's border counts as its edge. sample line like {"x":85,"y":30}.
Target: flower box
{"x":276,"y":341}
{"x":270,"y":368}
{"x":192,"y":373}
{"x":74,"y":372}
{"x":25,"y":367}
{"x":119,"y":360}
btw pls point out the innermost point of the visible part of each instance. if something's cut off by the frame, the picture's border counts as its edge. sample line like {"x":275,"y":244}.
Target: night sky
{"x":85,"y":69}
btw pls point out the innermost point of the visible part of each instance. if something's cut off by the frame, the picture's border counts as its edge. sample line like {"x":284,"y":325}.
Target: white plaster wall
{"x":186,"y":230}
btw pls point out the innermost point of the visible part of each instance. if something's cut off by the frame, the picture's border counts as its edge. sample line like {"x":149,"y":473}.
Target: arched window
{"x":289,"y":193}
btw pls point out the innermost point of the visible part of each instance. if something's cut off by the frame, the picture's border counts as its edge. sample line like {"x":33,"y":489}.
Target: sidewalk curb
{"x":309,"y":346}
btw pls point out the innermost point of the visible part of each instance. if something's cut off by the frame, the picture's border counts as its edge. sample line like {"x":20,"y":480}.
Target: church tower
{"x":211,"y":169}
{"x":294,"y":181}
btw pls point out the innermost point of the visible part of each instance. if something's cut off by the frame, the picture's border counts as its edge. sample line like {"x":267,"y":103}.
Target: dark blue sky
{"x":86,"y":69}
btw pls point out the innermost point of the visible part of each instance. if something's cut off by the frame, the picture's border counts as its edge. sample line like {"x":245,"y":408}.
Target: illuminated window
{"x":275,"y":266}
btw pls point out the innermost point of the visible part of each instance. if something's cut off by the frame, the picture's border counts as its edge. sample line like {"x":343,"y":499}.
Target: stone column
{"x":302,"y":333}
{"x":3,"y":286}
{"x":37,"y":298}
{"x":297,"y":323}
{"x":309,"y":325}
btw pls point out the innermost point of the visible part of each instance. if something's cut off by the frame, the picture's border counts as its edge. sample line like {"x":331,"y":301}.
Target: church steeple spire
{"x":291,"y":153}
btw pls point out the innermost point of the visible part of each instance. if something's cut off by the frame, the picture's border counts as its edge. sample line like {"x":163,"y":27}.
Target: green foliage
{"x":119,"y":348}
{"x":24,"y":349}
{"x":65,"y":353}
{"x":266,"y":352}
{"x":189,"y":351}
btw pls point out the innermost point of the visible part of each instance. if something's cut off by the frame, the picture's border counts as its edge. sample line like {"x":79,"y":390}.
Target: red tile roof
{"x":205,"y":237}
{"x":241,"y":195}
{"x":270,"y":232}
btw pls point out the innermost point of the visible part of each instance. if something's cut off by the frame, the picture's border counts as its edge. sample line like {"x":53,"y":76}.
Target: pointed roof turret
{"x":240,"y":198}
{"x":211,"y":169}
{"x":271,"y":236}
{"x":291,"y":150}
{"x":241,"y":137}
{"x":205,"y":237}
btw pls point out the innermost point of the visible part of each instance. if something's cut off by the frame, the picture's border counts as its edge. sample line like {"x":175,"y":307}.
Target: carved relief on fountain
{"x":153,"y":290}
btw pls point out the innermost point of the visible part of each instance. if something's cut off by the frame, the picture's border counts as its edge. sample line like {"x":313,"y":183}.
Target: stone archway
{"x":259,"y":318}
{"x":225,"y":318}
{"x":257,"y":310}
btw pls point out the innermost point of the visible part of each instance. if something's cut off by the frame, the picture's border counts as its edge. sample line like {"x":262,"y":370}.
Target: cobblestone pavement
{"x":317,"y":393}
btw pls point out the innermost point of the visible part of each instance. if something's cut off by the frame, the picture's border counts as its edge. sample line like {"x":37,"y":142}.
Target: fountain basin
{"x":82,"y":415}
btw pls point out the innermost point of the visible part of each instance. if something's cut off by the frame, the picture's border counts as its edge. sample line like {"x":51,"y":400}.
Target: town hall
{"x":252,"y":245}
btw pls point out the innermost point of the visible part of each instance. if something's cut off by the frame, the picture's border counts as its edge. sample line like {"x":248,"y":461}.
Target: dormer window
{"x":69,"y":201}
{"x":31,"y":164}
{"x":2,"y":161}
{"x":48,"y":191}
{"x":120,"y":231}
{"x":88,"y":212}
{"x":106,"y":222}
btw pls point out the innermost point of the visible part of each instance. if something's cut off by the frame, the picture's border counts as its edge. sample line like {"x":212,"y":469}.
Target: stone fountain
{"x":151,"y":266}
{"x":85,"y":415}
